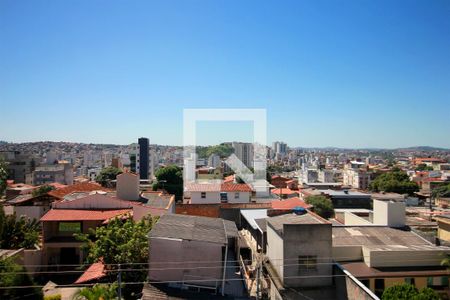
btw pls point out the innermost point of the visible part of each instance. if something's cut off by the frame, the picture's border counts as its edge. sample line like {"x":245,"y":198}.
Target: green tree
{"x":107,"y":174}
{"x":322,"y":205}
{"x":446,"y":261}
{"x":395,"y":181}
{"x":18,"y":233}
{"x":170,"y":178}
{"x":3,"y":177}
{"x":424,"y":167}
{"x":120,"y":242}
{"x":98,"y":292}
{"x":408,"y":292}
{"x":12,"y":274}
{"x":42,"y":190}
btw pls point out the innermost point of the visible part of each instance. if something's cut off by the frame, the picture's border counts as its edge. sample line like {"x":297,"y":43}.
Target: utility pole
{"x":119,"y":280}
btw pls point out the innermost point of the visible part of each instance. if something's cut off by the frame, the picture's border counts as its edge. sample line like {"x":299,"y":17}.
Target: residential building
{"x":299,"y":253}
{"x":210,"y":193}
{"x":202,"y":248}
{"x":214,"y":161}
{"x":19,"y":166}
{"x":61,"y":172}
{"x":443,"y":233}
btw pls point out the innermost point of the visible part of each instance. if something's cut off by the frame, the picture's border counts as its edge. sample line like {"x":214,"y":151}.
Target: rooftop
{"x":374,"y":236}
{"x":79,"y":187}
{"x":82,"y":214}
{"x":293,"y":219}
{"x":194,"y":228}
{"x":290,"y":203}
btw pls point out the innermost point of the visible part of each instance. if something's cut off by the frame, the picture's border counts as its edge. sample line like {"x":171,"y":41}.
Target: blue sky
{"x":330,"y":73}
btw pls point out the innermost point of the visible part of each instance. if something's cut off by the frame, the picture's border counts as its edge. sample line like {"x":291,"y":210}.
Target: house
{"x":443,"y":234}
{"x":279,"y":181}
{"x":209,"y":173}
{"x":284,"y":193}
{"x":210,"y":193}
{"x":381,"y":256}
{"x":299,"y":258}
{"x":201,"y":248}
{"x":348,"y":198}
{"x":60,"y":224}
{"x":60,"y":193}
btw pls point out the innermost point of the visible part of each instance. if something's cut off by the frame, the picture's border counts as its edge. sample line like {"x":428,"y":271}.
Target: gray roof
{"x":251,"y":214}
{"x":194,"y":228}
{"x":262,"y":224}
{"x":334,"y":193}
{"x":374,"y":236}
{"x":306,"y":219}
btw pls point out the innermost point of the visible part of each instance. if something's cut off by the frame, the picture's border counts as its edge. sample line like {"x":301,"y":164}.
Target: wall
{"x":244,"y":197}
{"x":275,"y":251}
{"x":205,"y":210}
{"x":184,"y":258}
{"x":127,"y":186}
{"x":347,"y":253}
{"x":403,"y":258}
{"x":389,"y":213}
{"x":307,"y":240}
{"x":444,"y":230}
{"x":31,"y":212}
{"x":352,"y":219}
{"x":32,"y":259}
{"x":211,"y":197}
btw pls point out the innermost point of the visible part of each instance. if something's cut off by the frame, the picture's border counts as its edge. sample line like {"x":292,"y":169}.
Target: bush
{"x":408,"y":292}
{"x":53,"y":297}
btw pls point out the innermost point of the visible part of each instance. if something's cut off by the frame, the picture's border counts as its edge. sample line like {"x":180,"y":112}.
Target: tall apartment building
{"x":356,"y":176}
{"x":60,"y":173}
{"x":244,"y":151}
{"x":214,"y":161}
{"x":279,"y":148}
{"x":142,"y":158}
{"x":19,"y":166}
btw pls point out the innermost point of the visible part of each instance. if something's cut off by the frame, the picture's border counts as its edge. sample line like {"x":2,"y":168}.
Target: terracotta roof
{"x":229,"y":179}
{"x":82,"y":215}
{"x":235,"y":187}
{"x":284,"y":191}
{"x":216,"y":187}
{"x":289,"y":203}
{"x":79,"y":187}
{"x":95,"y":271}
{"x":280,"y":178}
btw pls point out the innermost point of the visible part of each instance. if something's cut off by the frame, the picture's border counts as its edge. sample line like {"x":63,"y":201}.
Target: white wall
{"x":352,"y":219}
{"x":275,"y":251}
{"x":390,"y":213}
{"x":128,"y":186}
{"x":244,"y":197}
{"x":211,"y":197}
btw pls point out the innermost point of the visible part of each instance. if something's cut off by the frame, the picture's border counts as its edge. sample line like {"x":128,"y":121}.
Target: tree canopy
{"x":42,"y":190}
{"x":107,"y":174}
{"x":408,"y":292}
{"x":18,"y":233}
{"x":120,"y":242}
{"x":12,"y":274}
{"x":424,"y":167}
{"x":322,"y":205}
{"x":170,"y":178}
{"x":441,"y":191}
{"x":3,"y":176}
{"x":395,"y":181}
{"x":98,"y":291}
{"x":223,"y":150}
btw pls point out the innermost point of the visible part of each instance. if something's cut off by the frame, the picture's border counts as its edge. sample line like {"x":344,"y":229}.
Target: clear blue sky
{"x":330,"y":73}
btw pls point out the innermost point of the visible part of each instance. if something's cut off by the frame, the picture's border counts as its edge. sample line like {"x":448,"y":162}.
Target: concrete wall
{"x":352,"y":219}
{"x":403,"y":258}
{"x":127,"y":186}
{"x":184,"y":258}
{"x":31,"y":212}
{"x":389,"y":213}
{"x":347,"y":253}
{"x":32,"y":259}
{"x":307,"y":240}
{"x":275,"y":251}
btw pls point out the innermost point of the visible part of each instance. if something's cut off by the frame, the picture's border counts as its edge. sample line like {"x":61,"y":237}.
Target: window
{"x":203,"y":195}
{"x":224,"y":197}
{"x":307,"y":263}
{"x":236,"y":195}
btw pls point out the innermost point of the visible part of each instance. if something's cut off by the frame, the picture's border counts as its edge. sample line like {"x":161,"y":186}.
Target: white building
{"x":210,"y":193}
{"x":244,"y":151}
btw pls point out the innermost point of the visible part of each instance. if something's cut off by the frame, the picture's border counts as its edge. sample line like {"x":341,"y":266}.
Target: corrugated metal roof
{"x":194,"y":228}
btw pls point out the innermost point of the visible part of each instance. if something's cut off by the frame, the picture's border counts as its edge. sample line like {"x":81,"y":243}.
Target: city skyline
{"x":351,"y":75}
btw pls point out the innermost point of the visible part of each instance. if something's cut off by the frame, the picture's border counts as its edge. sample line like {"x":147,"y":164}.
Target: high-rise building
{"x":244,"y":151}
{"x":142,"y":158}
{"x":279,"y":148}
